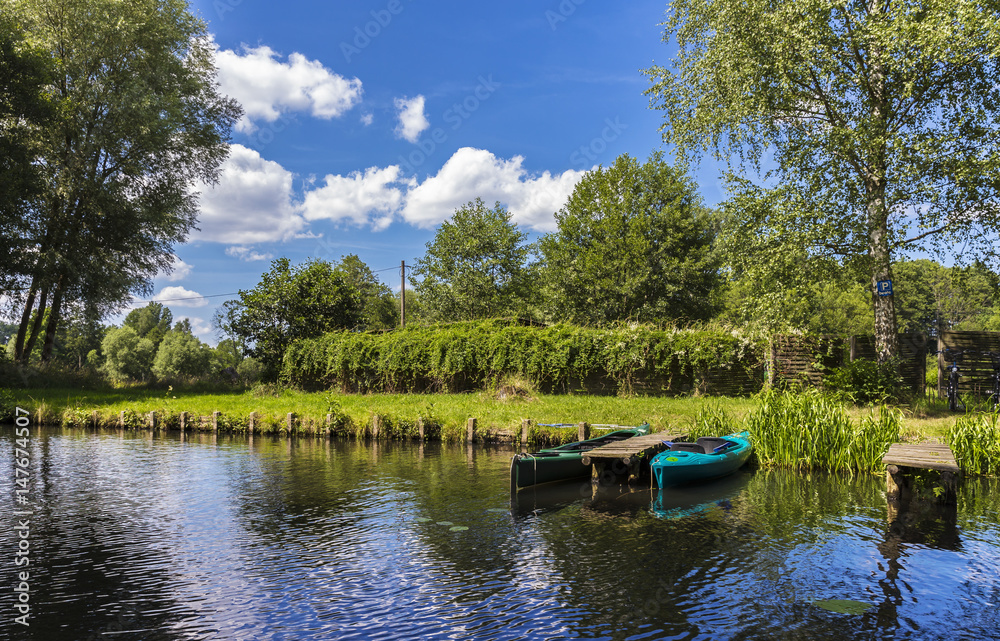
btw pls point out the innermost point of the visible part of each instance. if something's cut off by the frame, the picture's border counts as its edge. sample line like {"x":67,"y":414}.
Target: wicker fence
{"x":972,"y":352}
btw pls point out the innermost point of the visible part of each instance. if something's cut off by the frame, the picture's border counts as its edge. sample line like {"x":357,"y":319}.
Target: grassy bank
{"x":445,"y":415}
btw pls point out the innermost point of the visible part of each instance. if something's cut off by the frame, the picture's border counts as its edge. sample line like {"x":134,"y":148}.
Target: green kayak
{"x":563,"y":462}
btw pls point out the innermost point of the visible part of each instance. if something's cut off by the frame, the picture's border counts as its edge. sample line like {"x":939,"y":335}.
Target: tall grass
{"x":975,"y":440}
{"x":812,"y":431}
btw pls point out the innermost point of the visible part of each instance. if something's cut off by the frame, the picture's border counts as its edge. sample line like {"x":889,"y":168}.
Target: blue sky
{"x":368,"y":123}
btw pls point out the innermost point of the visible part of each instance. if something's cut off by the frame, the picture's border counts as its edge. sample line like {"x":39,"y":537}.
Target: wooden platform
{"x":615,"y":460}
{"x":903,"y":459}
{"x":932,"y":456}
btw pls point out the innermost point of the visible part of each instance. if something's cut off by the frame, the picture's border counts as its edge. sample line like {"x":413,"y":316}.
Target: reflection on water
{"x":233,"y":538}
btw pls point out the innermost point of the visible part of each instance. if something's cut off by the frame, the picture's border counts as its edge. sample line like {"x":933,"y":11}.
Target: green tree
{"x":475,"y":267}
{"x":181,"y":354}
{"x":934,"y":298}
{"x":634,"y":242}
{"x":139,"y":121}
{"x":380,"y":309}
{"x":289,"y":303}
{"x":152,"y":321}
{"x":24,"y":108}
{"x":126,"y":356}
{"x":879,"y":118}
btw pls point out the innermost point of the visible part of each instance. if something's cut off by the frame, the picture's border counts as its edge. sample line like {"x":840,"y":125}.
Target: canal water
{"x":202,"y":537}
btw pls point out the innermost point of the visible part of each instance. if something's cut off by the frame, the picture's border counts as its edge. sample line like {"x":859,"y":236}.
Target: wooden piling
{"x":582,"y":431}
{"x":376,"y":425}
{"x":290,"y":422}
{"x":121,"y":420}
{"x":253,"y":422}
{"x":215,"y":421}
{"x":152,"y":420}
{"x":329,"y":423}
{"x":184,"y":421}
{"x":93,"y":417}
{"x":525,"y":430}
{"x":471,"y":430}
{"x":420,"y":429}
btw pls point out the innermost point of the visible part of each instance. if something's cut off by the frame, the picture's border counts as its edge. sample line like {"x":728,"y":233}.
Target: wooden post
{"x":525,"y":430}
{"x":471,"y":431}
{"x":184,"y":421}
{"x":329,"y":423}
{"x":253,"y":422}
{"x":420,"y":429}
{"x":215,"y":421}
{"x":93,"y":417}
{"x":152,"y":420}
{"x":290,"y":422}
{"x":121,"y":420}
{"x":583,"y":431}
{"x":376,"y":424}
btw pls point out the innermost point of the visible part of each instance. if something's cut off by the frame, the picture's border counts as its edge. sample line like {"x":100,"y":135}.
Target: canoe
{"x":563,"y":462}
{"x":707,"y":458}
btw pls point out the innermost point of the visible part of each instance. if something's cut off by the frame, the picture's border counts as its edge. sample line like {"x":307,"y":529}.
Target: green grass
{"x":447,"y":412}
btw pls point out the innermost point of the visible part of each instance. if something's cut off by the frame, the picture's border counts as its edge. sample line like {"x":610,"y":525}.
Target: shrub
{"x":865,"y":382}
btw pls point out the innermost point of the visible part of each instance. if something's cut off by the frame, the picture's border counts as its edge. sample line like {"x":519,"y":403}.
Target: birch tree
{"x":877,"y":120}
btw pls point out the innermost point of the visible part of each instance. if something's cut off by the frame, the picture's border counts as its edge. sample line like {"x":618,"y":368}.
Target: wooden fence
{"x":804,"y":360}
{"x":971,"y":350}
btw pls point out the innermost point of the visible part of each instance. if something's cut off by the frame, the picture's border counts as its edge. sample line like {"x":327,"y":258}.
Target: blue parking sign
{"x":884,"y":288}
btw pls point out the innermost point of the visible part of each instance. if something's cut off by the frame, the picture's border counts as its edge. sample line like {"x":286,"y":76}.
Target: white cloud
{"x":179,"y":270}
{"x":470,"y":173}
{"x":358,"y":198}
{"x":179,"y":297}
{"x":367,"y":119}
{"x":246,"y":254}
{"x":412,"y":120}
{"x":252,"y":203}
{"x":267,"y":87}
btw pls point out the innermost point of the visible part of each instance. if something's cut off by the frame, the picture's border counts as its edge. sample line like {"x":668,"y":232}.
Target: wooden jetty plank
{"x":935,"y":456}
{"x":631,"y":447}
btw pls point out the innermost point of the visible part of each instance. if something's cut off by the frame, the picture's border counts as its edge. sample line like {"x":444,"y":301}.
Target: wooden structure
{"x":612,"y":462}
{"x":803,"y":360}
{"x":903,"y":459}
{"x":913,"y":350}
{"x":971,"y":350}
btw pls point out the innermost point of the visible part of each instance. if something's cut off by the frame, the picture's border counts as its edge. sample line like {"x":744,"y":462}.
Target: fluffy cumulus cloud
{"x":252,"y":203}
{"x":179,"y":297}
{"x":179,"y":270}
{"x":247,"y":254}
{"x":373,"y":196}
{"x":532,"y":199}
{"x":268,"y":87}
{"x":412,"y":120}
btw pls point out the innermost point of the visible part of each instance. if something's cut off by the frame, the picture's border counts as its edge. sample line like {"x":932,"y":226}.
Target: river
{"x":131,"y":536}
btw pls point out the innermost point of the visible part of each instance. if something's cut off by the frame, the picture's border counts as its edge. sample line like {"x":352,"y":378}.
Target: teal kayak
{"x":707,"y":458}
{"x":563,"y":462}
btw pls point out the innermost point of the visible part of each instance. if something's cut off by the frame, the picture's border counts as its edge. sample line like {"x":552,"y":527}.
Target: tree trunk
{"x":22,"y":329}
{"x":50,"y":328}
{"x":36,"y":326}
{"x":884,"y":306}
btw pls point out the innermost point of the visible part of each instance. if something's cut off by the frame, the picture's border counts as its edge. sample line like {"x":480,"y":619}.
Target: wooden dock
{"x":614,"y":460}
{"x":903,"y":458}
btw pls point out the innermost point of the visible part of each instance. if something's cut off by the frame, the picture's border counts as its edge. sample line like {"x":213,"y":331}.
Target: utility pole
{"x":402,"y":294}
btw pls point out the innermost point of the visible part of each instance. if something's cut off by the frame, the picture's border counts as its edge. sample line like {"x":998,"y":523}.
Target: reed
{"x":813,"y":431}
{"x":975,"y":440}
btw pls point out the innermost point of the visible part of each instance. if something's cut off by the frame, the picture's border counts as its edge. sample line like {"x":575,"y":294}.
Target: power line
{"x":171,"y":300}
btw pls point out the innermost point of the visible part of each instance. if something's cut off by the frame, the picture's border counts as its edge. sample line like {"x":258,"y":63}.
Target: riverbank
{"x":498,"y":416}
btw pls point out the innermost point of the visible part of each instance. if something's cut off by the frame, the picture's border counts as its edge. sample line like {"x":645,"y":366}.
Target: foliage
{"x":812,"y":431}
{"x":975,"y":440}
{"x":865,"y":382}
{"x":868,"y":113}
{"x":933,"y":298}
{"x":475,"y":354}
{"x":250,"y":371}
{"x":152,"y":321}
{"x":475,"y":267}
{"x":291,"y":303}
{"x":634,"y":243}
{"x":127,"y":356}
{"x":181,"y":355}
{"x":139,"y":122}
